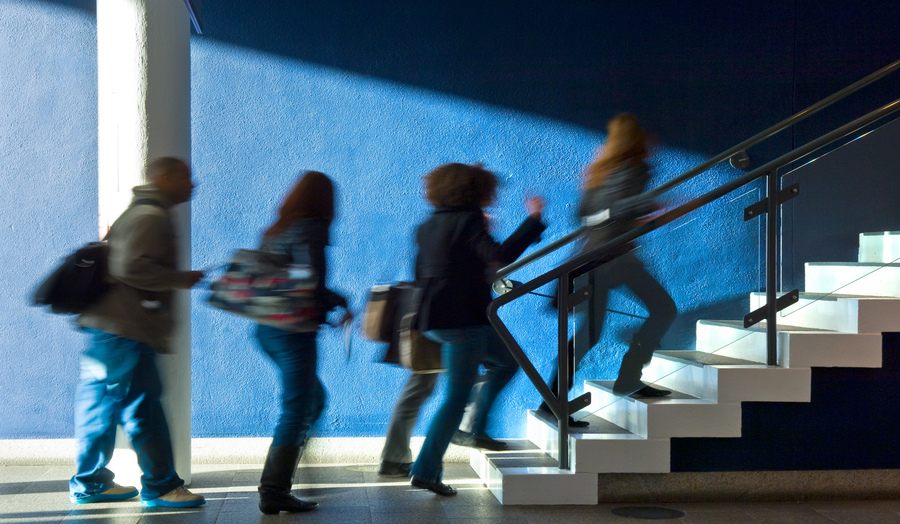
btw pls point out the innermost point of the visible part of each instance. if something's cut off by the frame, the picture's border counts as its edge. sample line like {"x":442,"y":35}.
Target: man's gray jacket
{"x":142,"y":267}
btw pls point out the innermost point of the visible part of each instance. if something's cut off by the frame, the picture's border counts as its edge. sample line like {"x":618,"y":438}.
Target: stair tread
{"x":599,"y":425}
{"x":675,"y":395}
{"x":830,"y":296}
{"x":854,"y":264}
{"x":538,"y":459}
{"x":787,"y":328}
{"x":700,"y":358}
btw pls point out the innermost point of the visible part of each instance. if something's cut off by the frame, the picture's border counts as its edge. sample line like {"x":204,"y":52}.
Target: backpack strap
{"x":132,"y":205}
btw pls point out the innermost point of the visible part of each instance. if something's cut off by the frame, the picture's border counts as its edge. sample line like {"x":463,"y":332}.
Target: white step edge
{"x":847,"y":314}
{"x":538,"y":485}
{"x":602,"y":452}
{"x":853,"y":278}
{"x":881,"y":246}
{"x":665,"y":417}
{"x":798,"y":347}
{"x":727,"y":383}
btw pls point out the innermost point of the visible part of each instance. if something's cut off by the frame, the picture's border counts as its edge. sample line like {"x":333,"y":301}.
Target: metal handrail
{"x":714,"y":161}
{"x":564,"y":272}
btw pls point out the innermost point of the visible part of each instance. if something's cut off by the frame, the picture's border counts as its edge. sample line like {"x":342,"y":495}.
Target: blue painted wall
{"x":48,"y":166}
{"x":376,"y":96}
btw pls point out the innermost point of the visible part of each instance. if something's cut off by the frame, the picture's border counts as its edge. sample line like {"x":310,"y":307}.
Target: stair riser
{"x":824,"y":313}
{"x":595,"y":453}
{"x":536,"y":486}
{"x":731,"y":383}
{"x":848,"y":315}
{"x":697,"y":381}
{"x":853,"y":280}
{"x":670,"y":418}
{"x":879,"y":247}
{"x":795,"y":349}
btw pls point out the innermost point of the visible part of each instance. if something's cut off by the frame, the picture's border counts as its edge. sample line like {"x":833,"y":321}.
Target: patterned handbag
{"x":259,"y":286}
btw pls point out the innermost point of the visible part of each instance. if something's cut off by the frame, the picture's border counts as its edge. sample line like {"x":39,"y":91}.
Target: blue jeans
{"x":302,"y":393}
{"x":463,"y":350}
{"x":120,"y":385}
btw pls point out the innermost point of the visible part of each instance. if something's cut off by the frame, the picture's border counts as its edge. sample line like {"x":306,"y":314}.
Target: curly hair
{"x":460,"y":185}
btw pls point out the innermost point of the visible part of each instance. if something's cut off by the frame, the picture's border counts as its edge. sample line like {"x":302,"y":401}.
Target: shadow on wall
{"x":259,"y":119}
{"x":578,"y":63}
{"x":376,"y":95}
{"x":702,"y":79}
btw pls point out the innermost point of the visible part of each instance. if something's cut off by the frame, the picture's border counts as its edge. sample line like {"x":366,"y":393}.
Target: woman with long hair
{"x":455,"y":254}
{"x":613,"y":195}
{"x":298,"y":236}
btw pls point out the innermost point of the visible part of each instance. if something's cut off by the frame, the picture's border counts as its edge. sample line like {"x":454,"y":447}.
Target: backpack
{"x":78,"y":282}
{"x":82,"y":278}
{"x":258,"y":285}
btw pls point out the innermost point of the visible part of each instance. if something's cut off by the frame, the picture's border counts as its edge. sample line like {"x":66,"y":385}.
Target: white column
{"x":143,"y":64}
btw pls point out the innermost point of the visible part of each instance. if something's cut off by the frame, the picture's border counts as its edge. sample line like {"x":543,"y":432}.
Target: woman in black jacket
{"x":453,"y":268}
{"x":299,"y":236}
{"x":613,"y":196}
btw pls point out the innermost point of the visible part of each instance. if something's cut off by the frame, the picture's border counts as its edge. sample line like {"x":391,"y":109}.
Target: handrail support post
{"x":772,"y":268}
{"x":562,"y":376}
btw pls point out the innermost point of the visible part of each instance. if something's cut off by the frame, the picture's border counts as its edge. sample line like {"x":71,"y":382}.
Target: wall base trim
{"x":36,"y":452}
{"x":750,"y":486}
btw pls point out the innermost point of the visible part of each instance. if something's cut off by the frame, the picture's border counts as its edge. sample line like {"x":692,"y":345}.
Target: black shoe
{"x":394,"y":469}
{"x":271,"y":502}
{"x":578,"y":423}
{"x":437,"y":487}
{"x":544,"y":408}
{"x":462,"y":438}
{"x":651,"y":392}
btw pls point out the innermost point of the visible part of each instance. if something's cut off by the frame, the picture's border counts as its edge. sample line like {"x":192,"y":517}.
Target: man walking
{"x":128,"y":326}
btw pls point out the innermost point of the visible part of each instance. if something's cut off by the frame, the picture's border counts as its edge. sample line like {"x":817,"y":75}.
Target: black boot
{"x":277,"y":478}
{"x":629,"y":379}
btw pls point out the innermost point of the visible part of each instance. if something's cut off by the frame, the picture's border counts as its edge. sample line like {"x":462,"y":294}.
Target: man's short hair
{"x":162,"y":166}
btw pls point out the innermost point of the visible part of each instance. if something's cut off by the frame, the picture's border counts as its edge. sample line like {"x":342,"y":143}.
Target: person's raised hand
{"x":535,"y":206}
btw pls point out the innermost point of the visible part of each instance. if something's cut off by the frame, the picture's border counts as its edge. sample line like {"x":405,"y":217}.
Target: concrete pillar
{"x":143,"y":64}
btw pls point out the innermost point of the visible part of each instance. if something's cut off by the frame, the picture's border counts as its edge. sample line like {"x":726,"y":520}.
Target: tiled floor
{"x":37,"y":494}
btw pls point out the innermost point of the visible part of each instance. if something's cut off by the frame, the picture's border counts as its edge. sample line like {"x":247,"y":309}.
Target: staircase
{"x":837,"y":322}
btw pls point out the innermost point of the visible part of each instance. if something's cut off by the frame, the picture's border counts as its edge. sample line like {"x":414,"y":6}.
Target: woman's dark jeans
{"x":463,"y":350}
{"x":628,"y":271}
{"x":302,"y":393}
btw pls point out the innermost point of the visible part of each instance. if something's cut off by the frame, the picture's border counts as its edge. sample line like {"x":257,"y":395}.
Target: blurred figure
{"x":396,"y":456}
{"x":120,"y":383}
{"x":452,"y":268}
{"x":613,"y":194}
{"x":298,"y":236}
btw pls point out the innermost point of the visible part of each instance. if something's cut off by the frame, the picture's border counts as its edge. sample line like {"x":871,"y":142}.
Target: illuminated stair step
{"x":883,"y":246}
{"x":853,"y":278}
{"x":602,"y":447}
{"x":717,"y":378}
{"x":798,"y":347}
{"x":844,"y":313}
{"x":678,"y":415}
{"x":533,"y":478}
